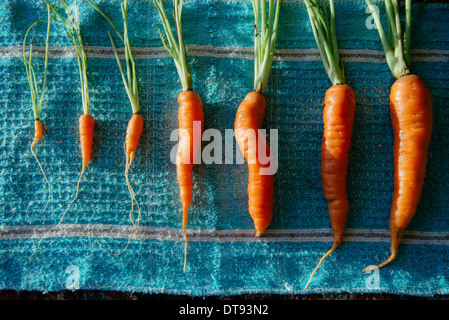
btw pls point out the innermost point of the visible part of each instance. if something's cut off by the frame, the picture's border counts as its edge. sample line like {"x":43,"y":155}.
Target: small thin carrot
{"x":133,"y":133}
{"x":190,"y":111}
{"x":86,"y":128}
{"x":86,"y":131}
{"x":411,"y":110}
{"x":338,"y":118}
{"x":135,"y":124}
{"x":71,"y":26}
{"x":35,"y":99}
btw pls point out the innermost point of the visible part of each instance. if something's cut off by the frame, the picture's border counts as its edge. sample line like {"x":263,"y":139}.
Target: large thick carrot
{"x":338,"y":118}
{"x":250,"y":115}
{"x":248,"y":121}
{"x":412,"y":120}
{"x":190,"y":110}
{"x":411,"y":113}
{"x":36,"y":99}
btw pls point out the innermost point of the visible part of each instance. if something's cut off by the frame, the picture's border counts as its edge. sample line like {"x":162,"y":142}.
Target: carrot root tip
{"x":395,"y":235}
{"x":334,"y":247}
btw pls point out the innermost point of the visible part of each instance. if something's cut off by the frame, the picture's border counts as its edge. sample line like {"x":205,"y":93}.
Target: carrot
{"x":86,"y":122}
{"x":133,"y":133}
{"x":70,"y":24}
{"x":338,"y":118}
{"x":38,"y":130}
{"x":135,"y":124}
{"x":250,"y":115}
{"x":37,"y":100}
{"x":86,"y":128}
{"x":190,"y":110}
{"x":411,"y":110}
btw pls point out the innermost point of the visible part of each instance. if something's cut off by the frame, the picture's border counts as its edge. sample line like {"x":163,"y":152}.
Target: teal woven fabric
{"x":224,"y":258}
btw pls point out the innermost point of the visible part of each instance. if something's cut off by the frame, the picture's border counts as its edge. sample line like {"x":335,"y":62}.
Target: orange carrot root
{"x":338,"y":118}
{"x":248,"y":121}
{"x":86,"y":125}
{"x":133,"y":133}
{"x":411,"y":110}
{"x":190,"y":111}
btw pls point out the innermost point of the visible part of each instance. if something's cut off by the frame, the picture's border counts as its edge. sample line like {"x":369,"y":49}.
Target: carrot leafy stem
{"x":324,"y":31}
{"x":264,"y":40}
{"x":130,"y":80}
{"x":397,"y":41}
{"x":175,"y":47}
{"x":69,"y":22}
{"x":36,"y":99}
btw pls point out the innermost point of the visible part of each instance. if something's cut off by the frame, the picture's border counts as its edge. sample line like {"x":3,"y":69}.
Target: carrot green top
{"x":175,"y":47}
{"x":130,"y":81}
{"x":324,"y":31}
{"x":36,"y":100}
{"x":397,"y":41}
{"x":70,"y":24}
{"x":264,"y":40}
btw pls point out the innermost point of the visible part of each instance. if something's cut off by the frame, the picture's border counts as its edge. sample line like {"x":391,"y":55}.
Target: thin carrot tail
{"x":86,"y":128}
{"x":186,"y":190}
{"x":37,"y":136}
{"x":395,"y":235}
{"x":62,"y":216}
{"x":184,"y":227}
{"x":132,"y":196}
{"x":338,"y":239}
{"x":134,"y":223}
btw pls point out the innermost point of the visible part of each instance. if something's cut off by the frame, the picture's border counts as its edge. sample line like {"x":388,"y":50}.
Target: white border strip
{"x":169,"y":234}
{"x":356,"y":55}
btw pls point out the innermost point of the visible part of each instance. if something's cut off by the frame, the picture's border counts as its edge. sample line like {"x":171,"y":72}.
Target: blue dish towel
{"x":224,"y":258}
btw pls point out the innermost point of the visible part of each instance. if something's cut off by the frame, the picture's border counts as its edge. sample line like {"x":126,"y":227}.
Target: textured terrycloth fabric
{"x":223,"y":256}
